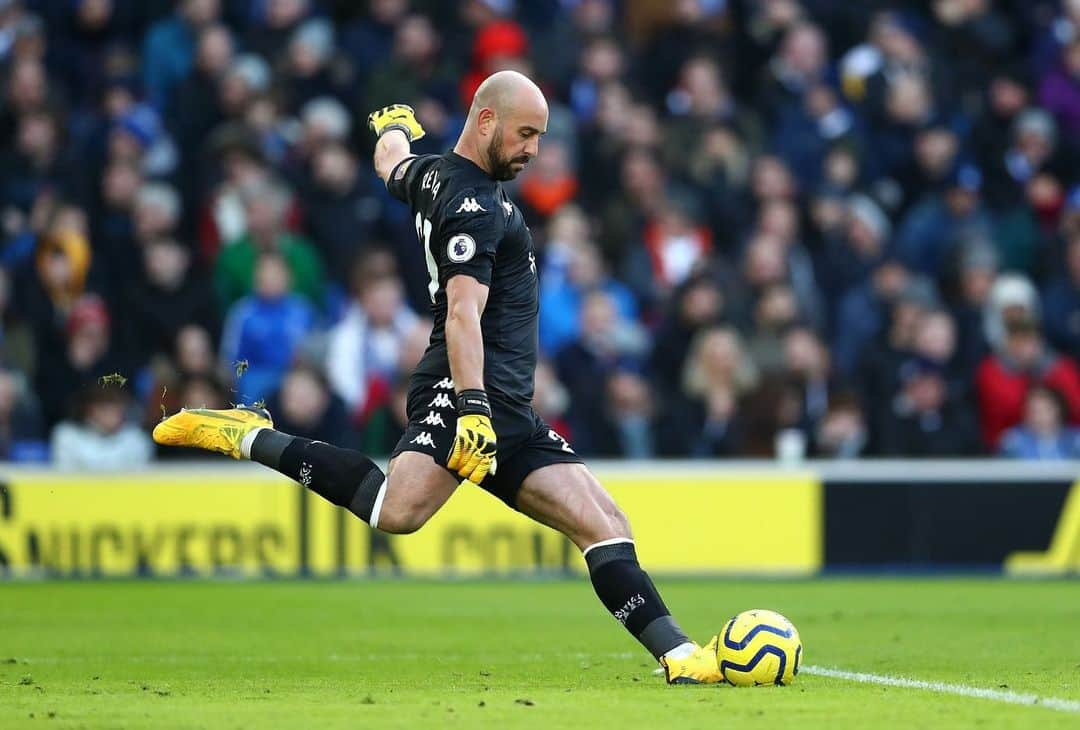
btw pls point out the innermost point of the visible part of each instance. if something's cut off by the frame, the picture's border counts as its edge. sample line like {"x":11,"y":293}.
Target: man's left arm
{"x":473,"y":455}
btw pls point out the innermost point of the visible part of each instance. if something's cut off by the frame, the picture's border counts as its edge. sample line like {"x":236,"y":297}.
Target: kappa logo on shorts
{"x":434,"y":419}
{"x":469,"y":205}
{"x":441,"y":400}
{"x":444,"y":384}
{"x":461,"y":248}
{"x":423,"y":439}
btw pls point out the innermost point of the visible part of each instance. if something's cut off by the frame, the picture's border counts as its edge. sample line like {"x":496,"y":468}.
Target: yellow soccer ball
{"x":757,"y":648}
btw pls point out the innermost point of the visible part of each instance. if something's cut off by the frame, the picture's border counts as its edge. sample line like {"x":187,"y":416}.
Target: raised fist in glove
{"x":473,"y":456}
{"x":395,"y":116}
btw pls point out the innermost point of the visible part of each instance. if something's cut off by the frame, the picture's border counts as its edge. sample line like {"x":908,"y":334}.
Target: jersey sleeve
{"x":405,"y":177}
{"x":471,"y":228}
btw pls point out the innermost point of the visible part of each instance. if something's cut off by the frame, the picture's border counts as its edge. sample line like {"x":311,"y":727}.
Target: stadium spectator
{"x":22,"y":432}
{"x":924,"y":420}
{"x":698,"y":305}
{"x":310,"y":71}
{"x":842,"y":432}
{"x":876,"y":373}
{"x":368,"y":40}
{"x":774,"y":316}
{"x":1033,"y":148}
{"x":86,"y":356}
{"x":550,"y":184}
{"x":273,"y":27}
{"x":168,"y":294}
{"x":1043,"y":434}
{"x":564,"y":288}
{"x":305,"y":405}
{"x":194,"y":353}
{"x":364,"y":348}
{"x":1060,"y":90}
{"x":1061,"y":302}
{"x":628,"y":429}
{"x":37,"y":161}
{"x":607,"y":344}
{"x":550,"y":399}
{"x":707,"y":414}
{"x":977,"y":268}
{"x":265,"y":206}
{"x":102,"y":437}
{"x":801,"y":64}
{"x":264,"y":330}
{"x":932,"y":230}
{"x":807,"y":367}
{"x":247,"y":77}
{"x":155,"y":212}
{"x":385,"y":424}
{"x":856,"y":247}
{"x":169,"y":49}
{"x":17,"y":347}
{"x":342,"y":210}
{"x":50,"y":284}
{"x":197,"y":109}
{"x":1021,"y":360}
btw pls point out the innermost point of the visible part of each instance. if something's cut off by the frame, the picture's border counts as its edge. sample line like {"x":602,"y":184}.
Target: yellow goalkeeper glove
{"x":473,"y":456}
{"x":395,"y":116}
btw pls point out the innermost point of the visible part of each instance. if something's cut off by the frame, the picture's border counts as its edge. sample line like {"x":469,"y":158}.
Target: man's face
{"x":515,"y":141}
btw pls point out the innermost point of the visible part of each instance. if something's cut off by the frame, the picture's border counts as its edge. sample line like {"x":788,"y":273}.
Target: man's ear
{"x":485,"y":121}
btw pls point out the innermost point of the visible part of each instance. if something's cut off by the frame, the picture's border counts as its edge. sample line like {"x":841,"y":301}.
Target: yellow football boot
{"x":203,"y":428}
{"x":701,"y":667}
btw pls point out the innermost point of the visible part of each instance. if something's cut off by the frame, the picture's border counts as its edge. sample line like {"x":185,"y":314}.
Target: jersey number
{"x":559,"y":439}
{"x":423,"y":232}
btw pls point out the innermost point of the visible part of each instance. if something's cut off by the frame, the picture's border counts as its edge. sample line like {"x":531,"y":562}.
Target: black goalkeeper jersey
{"x":467,"y":225}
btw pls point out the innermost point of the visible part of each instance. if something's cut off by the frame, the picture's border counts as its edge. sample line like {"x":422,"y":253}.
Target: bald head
{"x":504,"y":91}
{"x":507,"y":117}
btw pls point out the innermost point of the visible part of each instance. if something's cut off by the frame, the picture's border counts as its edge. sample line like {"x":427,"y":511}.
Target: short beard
{"x":499,"y":167}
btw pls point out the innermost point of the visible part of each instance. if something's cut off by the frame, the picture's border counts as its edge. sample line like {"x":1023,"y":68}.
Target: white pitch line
{"x":961,"y":690}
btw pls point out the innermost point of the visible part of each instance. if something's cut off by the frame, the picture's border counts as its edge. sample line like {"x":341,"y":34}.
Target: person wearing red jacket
{"x":1004,"y":377}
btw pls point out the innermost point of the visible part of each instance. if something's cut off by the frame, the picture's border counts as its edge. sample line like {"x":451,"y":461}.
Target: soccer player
{"x":469,"y":402}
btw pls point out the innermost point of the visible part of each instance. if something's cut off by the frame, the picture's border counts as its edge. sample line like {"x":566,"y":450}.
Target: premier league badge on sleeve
{"x":461,"y":248}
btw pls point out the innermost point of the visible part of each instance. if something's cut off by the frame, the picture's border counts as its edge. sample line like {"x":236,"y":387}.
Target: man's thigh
{"x":568,"y":498}
{"x":526,"y":444}
{"x":416,"y":487}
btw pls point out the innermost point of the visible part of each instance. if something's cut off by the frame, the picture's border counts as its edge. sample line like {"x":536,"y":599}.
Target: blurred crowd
{"x":767,"y":228}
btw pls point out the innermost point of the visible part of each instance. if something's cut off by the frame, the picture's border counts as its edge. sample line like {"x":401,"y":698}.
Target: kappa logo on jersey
{"x":532,"y":262}
{"x":434,"y":419}
{"x":461,"y":248}
{"x":424,"y":439}
{"x":508,"y":206}
{"x":444,"y":384}
{"x":441,"y":400}
{"x":469,"y":205}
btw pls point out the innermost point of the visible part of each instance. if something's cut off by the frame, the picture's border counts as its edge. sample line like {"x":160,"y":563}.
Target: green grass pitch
{"x":388,"y":654}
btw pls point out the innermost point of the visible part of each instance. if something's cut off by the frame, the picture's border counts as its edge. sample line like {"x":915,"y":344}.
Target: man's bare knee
{"x":403,"y":520}
{"x":415,"y":490}
{"x":618,"y":522}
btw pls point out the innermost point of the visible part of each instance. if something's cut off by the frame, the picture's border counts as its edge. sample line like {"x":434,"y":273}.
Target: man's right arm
{"x":396,"y":128}
{"x":391,"y":149}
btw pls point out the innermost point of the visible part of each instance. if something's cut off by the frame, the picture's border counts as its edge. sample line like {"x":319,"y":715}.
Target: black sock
{"x":628,"y":592}
{"x":341,"y":476}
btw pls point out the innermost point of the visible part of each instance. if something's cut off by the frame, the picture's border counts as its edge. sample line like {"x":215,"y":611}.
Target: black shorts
{"x":525,"y":441}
